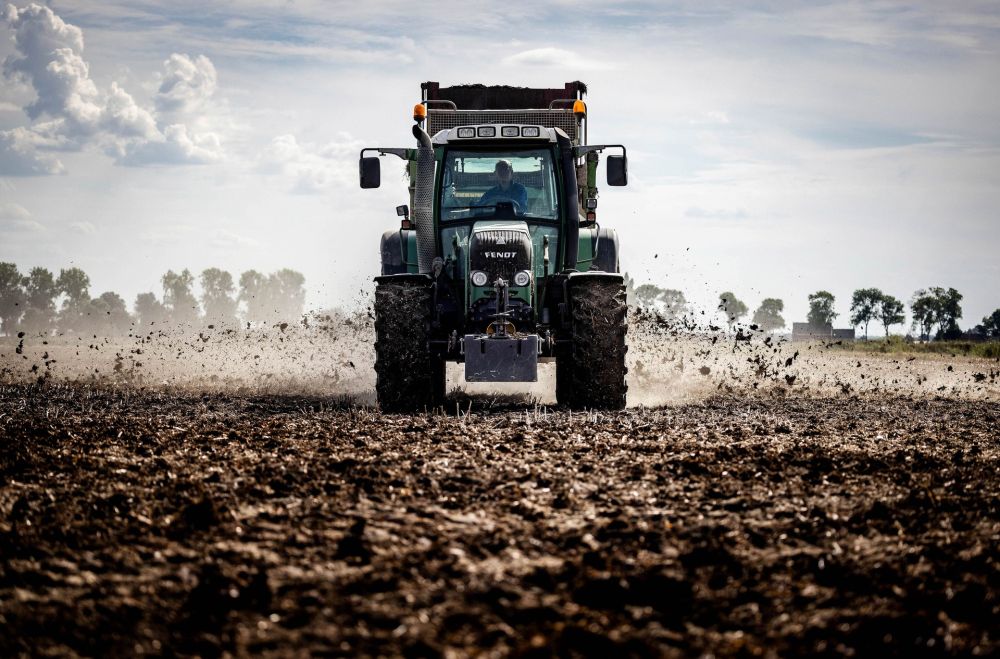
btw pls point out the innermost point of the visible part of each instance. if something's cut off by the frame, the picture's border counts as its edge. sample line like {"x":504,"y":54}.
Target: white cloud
{"x":49,"y":59}
{"x":16,"y":218}
{"x":12,"y":211}
{"x":85,"y":228}
{"x":51,"y":62}
{"x":552,"y":57}
{"x":123,"y":117}
{"x":19,"y":155}
{"x":175,"y":147}
{"x":227,"y":240}
{"x":187,"y":84}
{"x":171,"y":234}
{"x":311,"y":169}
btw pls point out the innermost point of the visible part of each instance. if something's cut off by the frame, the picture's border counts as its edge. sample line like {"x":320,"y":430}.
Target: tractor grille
{"x":500,"y":253}
{"x":438,"y":119}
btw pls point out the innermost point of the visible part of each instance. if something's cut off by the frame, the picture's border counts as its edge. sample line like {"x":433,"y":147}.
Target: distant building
{"x":810,"y":332}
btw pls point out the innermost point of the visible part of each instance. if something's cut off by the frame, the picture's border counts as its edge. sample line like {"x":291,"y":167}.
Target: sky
{"x":775,"y":148}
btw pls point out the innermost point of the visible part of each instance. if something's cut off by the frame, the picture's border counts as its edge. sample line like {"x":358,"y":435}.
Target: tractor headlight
{"x":522,"y":278}
{"x":479,"y":278}
{"x":530,"y":131}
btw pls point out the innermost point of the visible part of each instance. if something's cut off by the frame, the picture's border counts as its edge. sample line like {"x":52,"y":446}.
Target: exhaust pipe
{"x":423,"y":202}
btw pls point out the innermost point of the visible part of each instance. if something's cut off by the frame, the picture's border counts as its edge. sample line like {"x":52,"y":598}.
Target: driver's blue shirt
{"x":516,"y":193}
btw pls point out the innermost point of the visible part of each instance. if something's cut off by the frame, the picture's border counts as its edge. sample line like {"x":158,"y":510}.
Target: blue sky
{"x":776,"y":148}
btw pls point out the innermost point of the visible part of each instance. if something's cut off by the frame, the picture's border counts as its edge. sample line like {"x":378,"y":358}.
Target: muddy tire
{"x":408,"y":377}
{"x":590,"y":365}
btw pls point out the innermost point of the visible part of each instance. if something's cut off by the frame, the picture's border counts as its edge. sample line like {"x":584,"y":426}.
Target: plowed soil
{"x":142,"y":521}
{"x":235,"y":491}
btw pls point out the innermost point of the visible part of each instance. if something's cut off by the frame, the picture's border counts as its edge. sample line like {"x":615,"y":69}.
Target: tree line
{"x":930,"y":308}
{"x":672,"y":304}
{"x":933,"y":308}
{"x":40,"y":301}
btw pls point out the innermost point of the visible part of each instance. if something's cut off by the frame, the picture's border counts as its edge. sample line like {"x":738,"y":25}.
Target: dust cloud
{"x":670,"y":362}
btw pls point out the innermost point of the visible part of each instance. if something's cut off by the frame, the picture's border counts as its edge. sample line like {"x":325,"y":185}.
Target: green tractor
{"x":501,"y":264}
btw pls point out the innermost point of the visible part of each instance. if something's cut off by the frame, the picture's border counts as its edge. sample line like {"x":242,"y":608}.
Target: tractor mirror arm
{"x":370,"y":167}
{"x":580,"y":151}
{"x":617,"y":165}
{"x":404,"y":154}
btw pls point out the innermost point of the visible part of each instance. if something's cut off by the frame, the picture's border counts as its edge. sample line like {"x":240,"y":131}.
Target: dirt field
{"x":749,"y":505}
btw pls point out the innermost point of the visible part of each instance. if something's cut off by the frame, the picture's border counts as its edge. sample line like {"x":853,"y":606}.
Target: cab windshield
{"x":475,"y":182}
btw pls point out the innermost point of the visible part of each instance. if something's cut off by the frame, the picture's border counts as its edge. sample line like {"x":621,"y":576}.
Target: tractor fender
{"x":414,"y":277}
{"x":606,"y":250}
{"x":392,"y":253}
{"x":595,"y":275}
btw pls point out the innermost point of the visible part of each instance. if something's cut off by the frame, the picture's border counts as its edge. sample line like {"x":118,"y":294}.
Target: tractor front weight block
{"x":501,"y":359}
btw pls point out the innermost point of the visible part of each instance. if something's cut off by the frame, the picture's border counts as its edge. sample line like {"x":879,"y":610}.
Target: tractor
{"x":499,"y":262}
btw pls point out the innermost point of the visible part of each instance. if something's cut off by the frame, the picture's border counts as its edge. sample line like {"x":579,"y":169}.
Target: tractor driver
{"x":505,"y":189}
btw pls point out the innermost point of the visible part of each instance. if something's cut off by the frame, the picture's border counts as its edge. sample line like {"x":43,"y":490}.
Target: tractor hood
{"x":500,"y":248}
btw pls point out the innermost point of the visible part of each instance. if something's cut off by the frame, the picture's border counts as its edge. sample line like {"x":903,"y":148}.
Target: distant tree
{"x":108,"y":314}
{"x":252,"y":295}
{"x":648,"y":294}
{"x":924,"y":309}
{"x":949,"y":311}
{"x":937,"y":306}
{"x":12,"y":297}
{"x":217,"y":296}
{"x":178,"y":298}
{"x":149,"y":310}
{"x":821,"y":313}
{"x":732,"y":307}
{"x":768,"y":315}
{"x":75,"y":285}
{"x":287,"y":293}
{"x":890,"y":312}
{"x":674,"y":303}
{"x":280,"y":295}
{"x":40,"y":291}
{"x":864,"y":307}
{"x":991,"y":324}
{"x":668,"y":301}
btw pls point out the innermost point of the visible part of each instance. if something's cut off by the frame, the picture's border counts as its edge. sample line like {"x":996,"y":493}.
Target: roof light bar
{"x":470,"y":132}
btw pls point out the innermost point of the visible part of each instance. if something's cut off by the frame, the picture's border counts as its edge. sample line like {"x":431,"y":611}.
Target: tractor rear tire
{"x":409,"y":378}
{"x":590,"y":364}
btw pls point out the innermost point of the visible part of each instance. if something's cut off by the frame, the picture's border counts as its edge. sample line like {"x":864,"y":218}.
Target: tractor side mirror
{"x":617,"y":170}
{"x":371,"y":172}
{"x":403,"y":211}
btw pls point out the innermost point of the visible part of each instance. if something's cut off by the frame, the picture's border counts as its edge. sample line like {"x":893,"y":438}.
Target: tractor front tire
{"x":590,"y":360}
{"x":409,"y":378}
